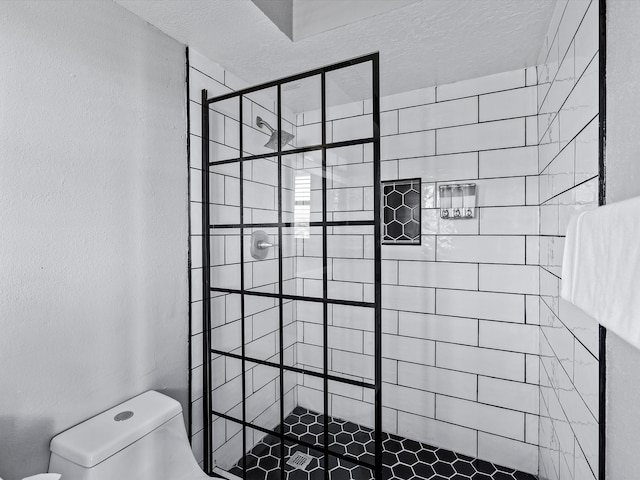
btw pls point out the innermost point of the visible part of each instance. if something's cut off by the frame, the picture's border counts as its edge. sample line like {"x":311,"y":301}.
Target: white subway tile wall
{"x":568,"y":183}
{"x":460,"y":351}
{"x":480,"y":355}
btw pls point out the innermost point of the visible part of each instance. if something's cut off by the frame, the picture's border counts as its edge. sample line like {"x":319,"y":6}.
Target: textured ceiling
{"x":426,"y":43}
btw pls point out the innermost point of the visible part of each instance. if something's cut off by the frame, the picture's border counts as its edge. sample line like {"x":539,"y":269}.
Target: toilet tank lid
{"x":98,"y":438}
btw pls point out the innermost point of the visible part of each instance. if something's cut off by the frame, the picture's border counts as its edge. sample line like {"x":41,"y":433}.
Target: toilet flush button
{"x":122,"y":416}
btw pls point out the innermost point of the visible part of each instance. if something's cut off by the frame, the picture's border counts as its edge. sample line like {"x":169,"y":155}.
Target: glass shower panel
{"x":352,"y":421}
{"x":262,"y":328}
{"x":260,"y":190}
{"x":302,"y":106}
{"x":350,"y":263}
{"x":309,"y":347}
{"x":302,"y":180}
{"x":293,"y":320}
{"x":260,"y":123}
{"x":224,"y":129}
{"x":307,"y":268}
{"x":263,"y":459}
{"x":350,"y":343}
{"x":226,"y":324}
{"x":306,"y":422}
{"x":349,"y":101}
{"x":226,"y":374}
{"x":261,"y":262}
{"x":224,"y":194}
{"x":227,"y":443}
{"x":350,"y":183}
{"x":225,"y":258}
{"x":262,"y":396}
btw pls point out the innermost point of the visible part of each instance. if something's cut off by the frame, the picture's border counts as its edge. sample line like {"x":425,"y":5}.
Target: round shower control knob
{"x":260,"y":245}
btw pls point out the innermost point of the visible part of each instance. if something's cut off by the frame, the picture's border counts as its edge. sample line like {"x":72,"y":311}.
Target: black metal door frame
{"x":324,"y":224}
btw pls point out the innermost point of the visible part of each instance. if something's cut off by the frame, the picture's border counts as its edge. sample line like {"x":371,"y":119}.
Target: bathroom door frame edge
{"x":602,"y":131}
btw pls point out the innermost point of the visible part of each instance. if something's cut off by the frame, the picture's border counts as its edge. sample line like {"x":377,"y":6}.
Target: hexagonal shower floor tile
{"x":402,"y":458}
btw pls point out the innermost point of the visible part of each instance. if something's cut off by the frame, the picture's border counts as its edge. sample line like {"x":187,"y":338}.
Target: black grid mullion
{"x":299,"y":76}
{"x":206,"y":291}
{"x":377,"y":241}
{"x":242,"y":289}
{"x":257,"y":293}
{"x":325,"y":278}
{"x":280,"y":282}
{"x":293,"y":151}
{"x":336,"y":223}
{"x":311,"y":373}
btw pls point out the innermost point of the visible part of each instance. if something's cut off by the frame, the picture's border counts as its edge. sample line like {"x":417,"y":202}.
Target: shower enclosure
{"x":292,"y":261}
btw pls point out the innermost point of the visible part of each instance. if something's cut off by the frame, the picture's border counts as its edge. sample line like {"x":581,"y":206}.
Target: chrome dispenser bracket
{"x":457,"y":201}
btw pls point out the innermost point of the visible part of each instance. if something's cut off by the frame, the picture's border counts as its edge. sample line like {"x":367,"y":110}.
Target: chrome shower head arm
{"x":260,"y":123}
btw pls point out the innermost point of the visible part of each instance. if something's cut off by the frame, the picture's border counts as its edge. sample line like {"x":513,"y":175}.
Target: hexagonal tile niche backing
{"x":402,"y":458}
{"x":401,"y":212}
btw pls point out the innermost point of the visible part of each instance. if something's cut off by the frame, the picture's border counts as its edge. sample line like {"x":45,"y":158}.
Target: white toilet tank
{"x":141,"y":439}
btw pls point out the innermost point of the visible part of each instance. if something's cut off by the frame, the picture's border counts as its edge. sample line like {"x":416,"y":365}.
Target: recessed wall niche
{"x":401,"y":212}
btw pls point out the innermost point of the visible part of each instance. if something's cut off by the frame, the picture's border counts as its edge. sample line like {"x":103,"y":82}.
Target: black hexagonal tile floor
{"x":402,"y":458}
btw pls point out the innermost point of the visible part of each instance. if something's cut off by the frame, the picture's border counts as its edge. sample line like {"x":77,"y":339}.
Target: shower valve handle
{"x":263,"y":244}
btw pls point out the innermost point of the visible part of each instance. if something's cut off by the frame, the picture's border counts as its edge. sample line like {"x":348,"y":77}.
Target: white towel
{"x":601,"y":267}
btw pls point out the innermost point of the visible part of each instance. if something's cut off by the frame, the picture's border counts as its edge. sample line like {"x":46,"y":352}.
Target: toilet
{"x":141,"y":439}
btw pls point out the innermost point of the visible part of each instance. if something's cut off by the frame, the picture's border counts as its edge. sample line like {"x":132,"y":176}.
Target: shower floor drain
{"x":300,"y":460}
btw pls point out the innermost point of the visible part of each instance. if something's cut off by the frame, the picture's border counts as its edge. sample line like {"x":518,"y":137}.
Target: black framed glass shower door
{"x":292,"y":286}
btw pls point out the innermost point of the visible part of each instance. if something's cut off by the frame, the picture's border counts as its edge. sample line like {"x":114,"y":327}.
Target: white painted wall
{"x":622,"y":181}
{"x":93,"y":236}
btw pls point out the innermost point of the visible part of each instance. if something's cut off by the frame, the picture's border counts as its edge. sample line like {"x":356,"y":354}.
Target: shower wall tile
{"x":509,"y":337}
{"x":486,"y":305}
{"x":481,"y":249}
{"x":568,"y":168}
{"x":389,"y":123}
{"x":509,"y":278}
{"x":421,"y":96}
{"x":519,"y":102}
{"x":586,"y":43}
{"x":508,"y":162}
{"x":523,"y":456}
{"x":441,"y":167}
{"x":417,"y":144}
{"x":409,"y":400}
{"x":500,"y":192}
{"x":490,"y":83}
{"x":434,"y":432}
{"x":439,"y":327}
{"x":408,"y":349}
{"x":438,"y":115}
{"x":438,"y":274}
{"x":486,"y":418}
{"x":509,"y":220}
{"x":481,"y":136}
{"x":481,"y":361}
{"x":350,"y":128}
{"x":438,"y":380}
{"x":511,"y":395}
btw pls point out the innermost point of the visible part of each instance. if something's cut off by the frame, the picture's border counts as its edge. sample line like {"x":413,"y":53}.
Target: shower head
{"x":285,"y":137}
